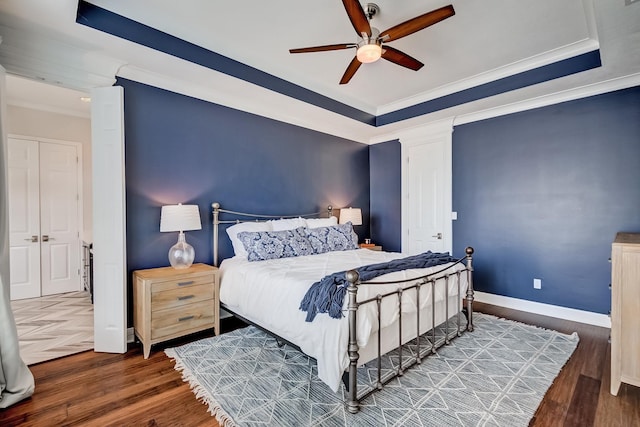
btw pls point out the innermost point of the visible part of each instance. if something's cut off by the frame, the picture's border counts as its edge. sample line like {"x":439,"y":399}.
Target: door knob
{"x":438,"y":236}
{"x":46,"y":238}
{"x":33,"y":239}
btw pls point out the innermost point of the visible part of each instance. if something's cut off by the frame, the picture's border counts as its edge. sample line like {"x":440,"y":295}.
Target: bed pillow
{"x":333,"y":238}
{"x":238,"y":247}
{"x":287,"y":223}
{"x":321,"y":222}
{"x":263,"y":245}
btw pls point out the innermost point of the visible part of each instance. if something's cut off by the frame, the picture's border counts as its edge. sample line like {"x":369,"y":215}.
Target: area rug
{"x":494,"y":376}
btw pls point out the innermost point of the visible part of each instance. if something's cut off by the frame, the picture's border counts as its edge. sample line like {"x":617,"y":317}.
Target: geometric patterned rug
{"x":494,"y":376}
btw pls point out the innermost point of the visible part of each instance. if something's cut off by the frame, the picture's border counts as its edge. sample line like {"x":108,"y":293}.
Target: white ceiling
{"x":36,"y":95}
{"x":453,"y":50}
{"x":484,"y":41}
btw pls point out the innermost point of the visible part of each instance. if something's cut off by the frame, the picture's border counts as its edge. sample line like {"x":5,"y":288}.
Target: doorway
{"x":427,"y":189}
{"x":59,"y":324}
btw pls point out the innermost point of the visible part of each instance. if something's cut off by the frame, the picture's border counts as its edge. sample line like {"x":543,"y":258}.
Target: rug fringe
{"x":574,"y":335}
{"x":202,"y":394}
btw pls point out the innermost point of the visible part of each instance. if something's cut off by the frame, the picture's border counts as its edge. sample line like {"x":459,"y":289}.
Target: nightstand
{"x":170,"y":303}
{"x":371,"y":247}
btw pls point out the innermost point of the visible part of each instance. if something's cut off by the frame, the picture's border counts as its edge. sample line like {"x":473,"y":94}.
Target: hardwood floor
{"x":580,"y":395}
{"x":125,"y":389}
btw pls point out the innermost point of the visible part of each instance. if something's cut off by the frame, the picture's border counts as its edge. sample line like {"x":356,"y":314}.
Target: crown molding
{"x":551,"y":99}
{"x":515,"y":68}
{"x":434,"y":131}
{"x":529,"y":104}
{"x":233,"y":93}
{"x":590,"y":43}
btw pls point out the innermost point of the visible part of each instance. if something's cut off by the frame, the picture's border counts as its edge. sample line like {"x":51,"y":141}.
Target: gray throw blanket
{"x":327,"y":295}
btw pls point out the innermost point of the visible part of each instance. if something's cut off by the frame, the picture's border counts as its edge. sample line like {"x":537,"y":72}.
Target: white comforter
{"x":268,"y":293}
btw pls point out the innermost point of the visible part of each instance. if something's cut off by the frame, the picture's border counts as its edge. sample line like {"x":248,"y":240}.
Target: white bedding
{"x":268,"y":293}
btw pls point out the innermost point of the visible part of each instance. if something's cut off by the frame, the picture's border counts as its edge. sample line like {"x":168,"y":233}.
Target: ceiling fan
{"x":370,"y":41}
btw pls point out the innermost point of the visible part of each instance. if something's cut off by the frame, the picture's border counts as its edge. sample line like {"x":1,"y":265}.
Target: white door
{"x":60,"y":241}
{"x":425,"y":197}
{"x":426,"y":187}
{"x":109,"y":242}
{"x":43,"y":217}
{"x":24,"y":218}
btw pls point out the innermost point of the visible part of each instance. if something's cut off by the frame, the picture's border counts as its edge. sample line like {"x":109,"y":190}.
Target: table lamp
{"x":351,"y":214}
{"x":180,"y":218}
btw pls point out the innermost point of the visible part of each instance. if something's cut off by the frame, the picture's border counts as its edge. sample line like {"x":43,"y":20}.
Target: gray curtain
{"x":16,"y":380}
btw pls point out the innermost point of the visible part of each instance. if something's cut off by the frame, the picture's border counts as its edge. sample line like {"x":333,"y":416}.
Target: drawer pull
{"x":182,"y":319}
{"x":184,"y":297}
{"x":190,"y":282}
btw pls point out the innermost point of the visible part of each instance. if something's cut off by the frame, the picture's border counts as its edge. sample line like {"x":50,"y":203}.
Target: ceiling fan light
{"x":369,"y":53}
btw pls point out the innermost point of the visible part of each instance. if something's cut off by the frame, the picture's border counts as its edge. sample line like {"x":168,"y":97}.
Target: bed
{"x":377,"y":317}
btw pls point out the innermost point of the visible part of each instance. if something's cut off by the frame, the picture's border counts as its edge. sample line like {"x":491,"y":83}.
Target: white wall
{"x":44,"y":124}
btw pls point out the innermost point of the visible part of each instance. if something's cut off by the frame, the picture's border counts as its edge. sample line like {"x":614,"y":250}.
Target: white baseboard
{"x":565,"y":313}
{"x":130,"y":336}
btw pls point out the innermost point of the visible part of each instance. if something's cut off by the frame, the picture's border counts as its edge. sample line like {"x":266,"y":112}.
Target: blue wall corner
{"x":542,"y":193}
{"x":386,"y":215}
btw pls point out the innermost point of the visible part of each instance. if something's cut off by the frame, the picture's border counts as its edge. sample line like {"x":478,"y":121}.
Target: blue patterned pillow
{"x":263,"y":245}
{"x":334,"y":238}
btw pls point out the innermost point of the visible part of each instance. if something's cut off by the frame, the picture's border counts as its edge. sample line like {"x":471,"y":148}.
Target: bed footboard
{"x":431,"y":341}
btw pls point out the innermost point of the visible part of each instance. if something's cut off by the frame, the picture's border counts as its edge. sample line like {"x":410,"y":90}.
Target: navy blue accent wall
{"x":542,"y":193}
{"x":568,"y":66}
{"x":180,"y":149}
{"x":385,"y":163}
{"x":117,"y":25}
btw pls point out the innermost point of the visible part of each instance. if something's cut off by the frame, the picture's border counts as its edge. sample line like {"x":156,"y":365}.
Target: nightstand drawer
{"x":175,"y":320}
{"x":181,"y":283}
{"x":180,"y":296}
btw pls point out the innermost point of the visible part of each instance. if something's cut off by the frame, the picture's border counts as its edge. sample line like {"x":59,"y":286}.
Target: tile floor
{"x":54,"y":326}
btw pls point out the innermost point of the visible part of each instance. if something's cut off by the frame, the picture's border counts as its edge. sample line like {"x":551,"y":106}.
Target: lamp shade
{"x":353,"y":215}
{"x":180,"y":218}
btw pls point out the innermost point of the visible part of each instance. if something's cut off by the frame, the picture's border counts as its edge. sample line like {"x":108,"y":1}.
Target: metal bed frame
{"x":432,"y":341}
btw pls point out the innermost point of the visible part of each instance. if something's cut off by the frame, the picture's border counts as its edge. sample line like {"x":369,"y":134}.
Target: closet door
{"x":43,"y":218}
{"x":24,"y":218}
{"x":60,"y":246}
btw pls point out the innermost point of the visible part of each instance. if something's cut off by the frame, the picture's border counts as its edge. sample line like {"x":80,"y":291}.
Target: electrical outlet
{"x":537,"y":283}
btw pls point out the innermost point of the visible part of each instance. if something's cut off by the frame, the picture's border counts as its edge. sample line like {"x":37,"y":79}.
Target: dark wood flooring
{"x":100,"y":389}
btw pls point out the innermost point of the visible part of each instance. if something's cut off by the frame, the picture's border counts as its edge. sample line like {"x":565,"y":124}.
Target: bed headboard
{"x":234,"y":217}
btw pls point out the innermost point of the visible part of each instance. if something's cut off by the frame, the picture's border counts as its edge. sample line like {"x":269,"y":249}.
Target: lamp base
{"x":182,"y":254}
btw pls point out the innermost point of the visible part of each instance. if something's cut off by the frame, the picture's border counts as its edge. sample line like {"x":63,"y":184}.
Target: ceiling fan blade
{"x":416,"y":24}
{"x":351,"y":70}
{"x":401,"y":58}
{"x":357,"y":17}
{"x":323,"y":48}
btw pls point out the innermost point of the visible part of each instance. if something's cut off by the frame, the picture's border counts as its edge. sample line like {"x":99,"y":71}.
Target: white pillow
{"x":287,"y":224}
{"x":321,"y":222}
{"x":238,"y":247}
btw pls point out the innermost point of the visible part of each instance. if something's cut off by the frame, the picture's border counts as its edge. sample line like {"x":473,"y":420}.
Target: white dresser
{"x":625,"y":311}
